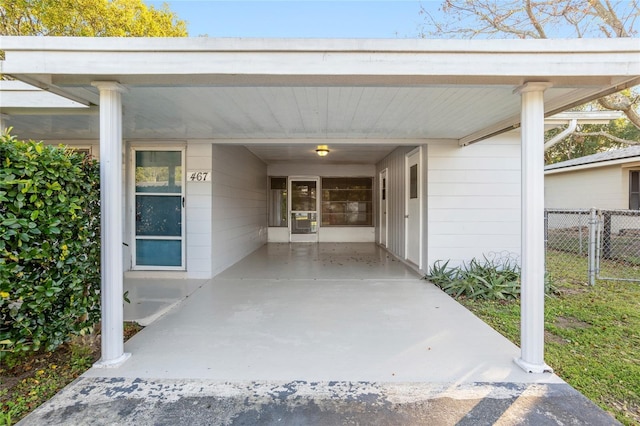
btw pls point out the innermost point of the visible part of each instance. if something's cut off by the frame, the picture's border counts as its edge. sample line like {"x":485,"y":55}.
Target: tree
{"x":88,"y":18}
{"x":551,"y":19}
{"x":533,"y":19}
{"x":592,"y":138}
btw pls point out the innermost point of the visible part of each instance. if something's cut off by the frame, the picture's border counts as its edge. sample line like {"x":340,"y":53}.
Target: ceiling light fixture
{"x":322,"y":150}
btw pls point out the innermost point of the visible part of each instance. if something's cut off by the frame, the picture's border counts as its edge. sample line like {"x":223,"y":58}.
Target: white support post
{"x":111,"y":208}
{"x":533,"y":268}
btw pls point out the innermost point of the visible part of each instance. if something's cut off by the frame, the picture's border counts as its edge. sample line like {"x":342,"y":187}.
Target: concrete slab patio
{"x":318,"y":334}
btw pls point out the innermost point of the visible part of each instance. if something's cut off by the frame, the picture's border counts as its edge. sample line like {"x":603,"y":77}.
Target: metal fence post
{"x":606,"y":235}
{"x":546,"y":230}
{"x":593,"y":223}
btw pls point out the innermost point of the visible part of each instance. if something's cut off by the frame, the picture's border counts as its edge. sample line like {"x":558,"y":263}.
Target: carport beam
{"x":532,"y":223}
{"x":111,"y":207}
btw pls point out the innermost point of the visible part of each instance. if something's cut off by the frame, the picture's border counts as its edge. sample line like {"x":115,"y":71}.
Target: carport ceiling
{"x":344,"y":112}
{"x":282,"y":124}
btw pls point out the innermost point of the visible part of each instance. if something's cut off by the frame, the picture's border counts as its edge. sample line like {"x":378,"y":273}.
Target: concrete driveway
{"x":319,"y":334}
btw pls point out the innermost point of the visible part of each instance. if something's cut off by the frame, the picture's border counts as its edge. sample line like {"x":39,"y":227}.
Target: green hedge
{"x":49,"y":245}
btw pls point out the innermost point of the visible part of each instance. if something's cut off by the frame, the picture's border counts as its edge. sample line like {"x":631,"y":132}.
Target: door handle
{"x":406,"y":216}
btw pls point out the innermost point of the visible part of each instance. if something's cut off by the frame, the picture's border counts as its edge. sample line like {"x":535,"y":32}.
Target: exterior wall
{"x":600,"y":187}
{"x":343,"y":234}
{"x":300,"y":169}
{"x":198,"y":213}
{"x":395,"y":165}
{"x":239,"y":205}
{"x":473,"y":199}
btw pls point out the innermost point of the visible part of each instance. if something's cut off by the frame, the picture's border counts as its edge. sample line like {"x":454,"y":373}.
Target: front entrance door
{"x":412,"y":208}
{"x":303,"y":213}
{"x":158,"y":209}
{"x":384,"y":221}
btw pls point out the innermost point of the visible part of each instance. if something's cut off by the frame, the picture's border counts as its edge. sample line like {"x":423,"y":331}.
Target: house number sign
{"x":199,"y":176}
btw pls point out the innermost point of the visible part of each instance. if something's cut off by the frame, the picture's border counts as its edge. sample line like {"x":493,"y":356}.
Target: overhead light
{"x":322,"y":150}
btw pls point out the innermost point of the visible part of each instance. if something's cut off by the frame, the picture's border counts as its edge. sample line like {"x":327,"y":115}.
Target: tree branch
{"x":608,"y":136}
{"x":619,"y":102}
{"x":534,"y":20}
{"x":609,"y":17}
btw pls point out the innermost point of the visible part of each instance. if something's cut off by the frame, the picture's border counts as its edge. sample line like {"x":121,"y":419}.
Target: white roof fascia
{"x":592,"y":165}
{"x":420,"y":61}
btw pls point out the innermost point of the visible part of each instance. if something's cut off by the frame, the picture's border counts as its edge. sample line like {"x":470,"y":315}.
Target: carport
{"x":322,"y":333}
{"x":456,"y":128}
{"x":321,"y":312}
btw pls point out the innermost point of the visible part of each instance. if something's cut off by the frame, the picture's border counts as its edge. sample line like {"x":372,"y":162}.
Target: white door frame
{"x":383,"y":182}
{"x":306,"y":238}
{"x":417,"y":152}
{"x":132,"y":203}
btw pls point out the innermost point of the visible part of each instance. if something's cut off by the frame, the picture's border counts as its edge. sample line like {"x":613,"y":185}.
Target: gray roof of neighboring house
{"x":616,"y":154}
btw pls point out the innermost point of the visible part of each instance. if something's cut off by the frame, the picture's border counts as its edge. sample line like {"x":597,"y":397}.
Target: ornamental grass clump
{"x":494,"y":278}
{"x":49,"y":245}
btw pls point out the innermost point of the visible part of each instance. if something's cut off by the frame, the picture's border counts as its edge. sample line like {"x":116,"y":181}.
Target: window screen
{"x":347,"y":201}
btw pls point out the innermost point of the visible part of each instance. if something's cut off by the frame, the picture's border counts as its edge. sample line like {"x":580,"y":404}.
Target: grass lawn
{"x":592,"y":334}
{"x":28,"y":382}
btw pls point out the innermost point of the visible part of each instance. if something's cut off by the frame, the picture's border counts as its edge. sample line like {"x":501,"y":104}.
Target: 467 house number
{"x":199,"y":176}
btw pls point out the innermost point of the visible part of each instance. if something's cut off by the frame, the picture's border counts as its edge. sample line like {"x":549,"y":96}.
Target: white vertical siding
{"x":395,"y":163}
{"x":600,"y":187}
{"x":198,"y":213}
{"x":239,"y":209}
{"x":473,"y":199}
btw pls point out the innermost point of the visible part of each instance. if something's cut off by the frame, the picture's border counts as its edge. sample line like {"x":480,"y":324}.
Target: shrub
{"x":495,"y":278}
{"x":49,"y":245}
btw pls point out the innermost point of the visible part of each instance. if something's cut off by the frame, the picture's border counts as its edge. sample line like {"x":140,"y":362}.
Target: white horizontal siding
{"x":323,"y":170}
{"x":601,"y":187}
{"x":239,"y":213}
{"x":473,"y":199}
{"x":346,"y":235}
{"x":198,"y":213}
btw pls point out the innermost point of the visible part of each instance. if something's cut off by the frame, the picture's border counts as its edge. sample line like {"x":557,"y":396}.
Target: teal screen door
{"x":159,"y":210}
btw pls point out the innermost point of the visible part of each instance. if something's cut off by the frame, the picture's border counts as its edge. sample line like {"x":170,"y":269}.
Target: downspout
{"x":573,"y":124}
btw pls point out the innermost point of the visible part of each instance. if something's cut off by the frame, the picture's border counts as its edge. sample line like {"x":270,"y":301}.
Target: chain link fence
{"x":618,"y":245}
{"x":603,"y":244}
{"x":567,"y":243}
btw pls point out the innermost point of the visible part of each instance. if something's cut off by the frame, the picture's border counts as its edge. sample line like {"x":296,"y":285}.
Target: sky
{"x":304,"y":19}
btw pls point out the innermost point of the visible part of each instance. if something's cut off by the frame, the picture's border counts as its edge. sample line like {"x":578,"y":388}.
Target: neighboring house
{"x":606,"y":180}
{"x":210,"y":147}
